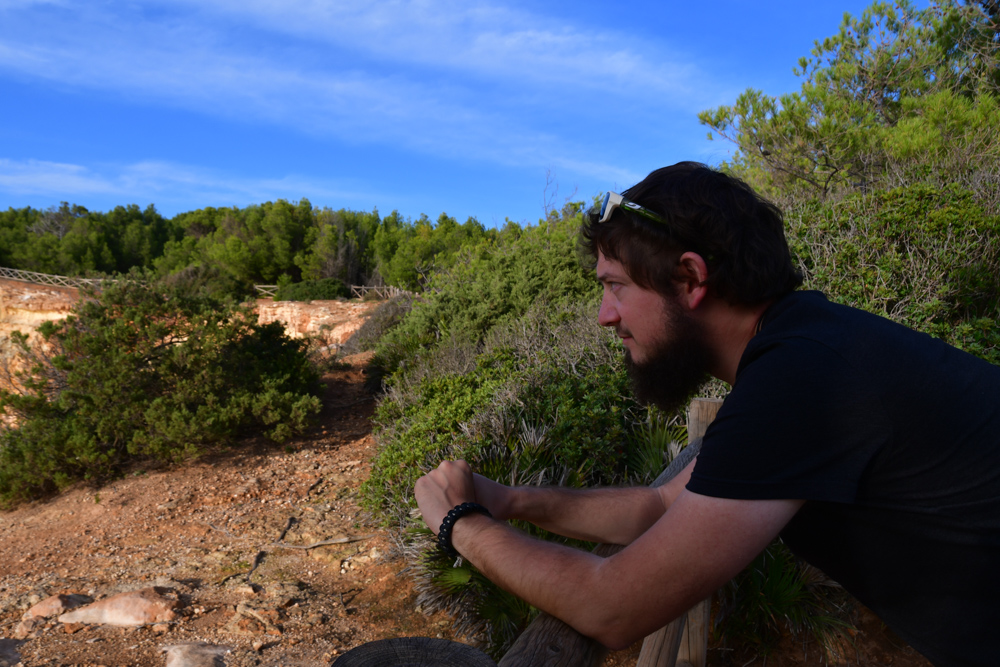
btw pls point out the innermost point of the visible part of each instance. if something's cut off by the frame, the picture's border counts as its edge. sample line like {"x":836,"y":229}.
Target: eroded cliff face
{"x":24,"y":306}
{"x":331,"y":321}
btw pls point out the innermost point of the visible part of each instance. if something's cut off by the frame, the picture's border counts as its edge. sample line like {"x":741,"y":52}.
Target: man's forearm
{"x":611,"y":515}
{"x":570,"y":584}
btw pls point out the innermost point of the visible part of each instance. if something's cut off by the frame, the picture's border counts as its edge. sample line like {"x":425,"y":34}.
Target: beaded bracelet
{"x":456,"y":513}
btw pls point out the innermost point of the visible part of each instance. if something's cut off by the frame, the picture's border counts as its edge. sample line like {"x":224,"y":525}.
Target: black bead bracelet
{"x":456,"y":513}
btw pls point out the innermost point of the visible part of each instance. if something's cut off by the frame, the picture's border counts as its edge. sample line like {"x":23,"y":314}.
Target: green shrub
{"x":140,"y":371}
{"x":926,"y":257}
{"x":324,"y":289}
{"x":778,"y":594}
{"x":493,"y":282}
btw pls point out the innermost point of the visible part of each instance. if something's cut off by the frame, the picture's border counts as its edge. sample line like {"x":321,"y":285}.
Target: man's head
{"x":738,"y":234}
{"x":644,"y":256}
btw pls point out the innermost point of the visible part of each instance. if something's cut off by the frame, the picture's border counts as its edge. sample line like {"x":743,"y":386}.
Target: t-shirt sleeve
{"x":799,"y":423}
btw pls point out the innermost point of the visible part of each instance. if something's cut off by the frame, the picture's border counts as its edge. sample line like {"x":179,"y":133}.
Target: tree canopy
{"x":898,"y":94}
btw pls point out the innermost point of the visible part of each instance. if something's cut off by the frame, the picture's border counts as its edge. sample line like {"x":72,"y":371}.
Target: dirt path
{"x":198,"y":529}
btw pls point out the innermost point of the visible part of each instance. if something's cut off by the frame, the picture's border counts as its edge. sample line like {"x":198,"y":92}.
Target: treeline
{"x":229,"y":250}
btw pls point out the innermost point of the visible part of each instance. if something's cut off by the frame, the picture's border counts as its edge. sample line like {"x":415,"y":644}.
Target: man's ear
{"x":691,"y":279}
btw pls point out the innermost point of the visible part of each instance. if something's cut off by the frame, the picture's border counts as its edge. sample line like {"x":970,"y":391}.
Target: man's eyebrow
{"x":609,"y":276}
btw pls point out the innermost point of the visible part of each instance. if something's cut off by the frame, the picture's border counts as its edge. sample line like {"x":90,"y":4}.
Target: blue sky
{"x":416,"y":105}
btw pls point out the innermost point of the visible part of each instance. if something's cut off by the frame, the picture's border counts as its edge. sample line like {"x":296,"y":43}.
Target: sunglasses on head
{"x":613,"y":200}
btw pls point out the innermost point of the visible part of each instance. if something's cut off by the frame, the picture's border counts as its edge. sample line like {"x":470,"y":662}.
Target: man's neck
{"x":729,"y":329}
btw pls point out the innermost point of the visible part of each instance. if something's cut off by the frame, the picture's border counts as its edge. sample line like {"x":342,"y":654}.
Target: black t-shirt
{"x":893,"y":439}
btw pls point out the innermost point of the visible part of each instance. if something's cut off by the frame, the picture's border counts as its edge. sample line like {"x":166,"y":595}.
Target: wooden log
{"x":548,"y":642}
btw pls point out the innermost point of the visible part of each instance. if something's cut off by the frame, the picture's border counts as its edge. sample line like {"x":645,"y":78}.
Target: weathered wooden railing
{"x":382,"y":291}
{"x":357,"y":291}
{"x":266,"y":290}
{"x":548,"y":642}
{"x":48,"y":279}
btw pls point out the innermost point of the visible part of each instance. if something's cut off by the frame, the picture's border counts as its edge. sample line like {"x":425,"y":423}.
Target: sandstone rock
{"x":200,"y":654}
{"x":149,"y":605}
{"x":55,"y":605}
{"x":28,"y":626}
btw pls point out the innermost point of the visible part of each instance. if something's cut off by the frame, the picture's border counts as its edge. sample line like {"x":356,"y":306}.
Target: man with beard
{"x":874,"y":451}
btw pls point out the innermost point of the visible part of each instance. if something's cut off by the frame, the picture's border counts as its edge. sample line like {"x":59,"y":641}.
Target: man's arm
{"x":610,"y":515}
{"x":691,"y":550}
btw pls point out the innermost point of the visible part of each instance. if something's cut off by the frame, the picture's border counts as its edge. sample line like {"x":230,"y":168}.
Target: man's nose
{"x":607,"y":316}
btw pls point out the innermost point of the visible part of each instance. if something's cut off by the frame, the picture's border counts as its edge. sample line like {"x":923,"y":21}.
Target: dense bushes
{"x":141,"y":371}
{"x":312,"y":290}
{"x":926,"y":257}
{"x":490,"y":283}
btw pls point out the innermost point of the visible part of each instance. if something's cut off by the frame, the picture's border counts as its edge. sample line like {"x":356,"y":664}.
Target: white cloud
{"x":468,"y":80}
{"x":162,"y":181}
{"x":480,"y":38}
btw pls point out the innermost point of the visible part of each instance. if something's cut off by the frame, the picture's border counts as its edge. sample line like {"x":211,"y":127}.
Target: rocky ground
{"x":227,"y":536}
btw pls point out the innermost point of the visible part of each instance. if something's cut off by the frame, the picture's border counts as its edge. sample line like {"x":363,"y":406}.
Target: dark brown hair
{"x":738,"y":233}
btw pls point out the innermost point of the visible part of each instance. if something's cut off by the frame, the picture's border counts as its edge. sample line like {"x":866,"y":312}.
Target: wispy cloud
{"x":148,"y":181}
{"x":484,"y":39}
{"x":472,"y":81}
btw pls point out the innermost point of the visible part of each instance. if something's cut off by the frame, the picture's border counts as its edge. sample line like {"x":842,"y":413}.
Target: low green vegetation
{"x":926,"y":257}
{"x":144,"y":372}
{"x":312,"y":290}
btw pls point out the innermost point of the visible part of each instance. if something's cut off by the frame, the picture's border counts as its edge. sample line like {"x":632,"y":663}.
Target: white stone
{"x":195,"y":655}
{"x":142,"y":607}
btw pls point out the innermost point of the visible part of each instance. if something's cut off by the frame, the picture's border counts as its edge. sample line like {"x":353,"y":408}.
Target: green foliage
{"x":778,"y":594}
{"x":312,"y":290}
{"x":544,"y":400}
{"x":70,"y":240}
{"x":490,"y":283}
{"x":261,"y":244}
{"x":926,"y":257}
{"x":141,"y":371}
{"x":409,"y":254}
{"x":864,"y":92}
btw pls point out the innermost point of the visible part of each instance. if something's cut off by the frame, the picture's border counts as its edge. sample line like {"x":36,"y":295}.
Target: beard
{"x":675,"y":368}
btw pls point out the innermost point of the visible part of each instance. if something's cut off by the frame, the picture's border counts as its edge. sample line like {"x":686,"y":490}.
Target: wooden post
{"x":692,"y":636}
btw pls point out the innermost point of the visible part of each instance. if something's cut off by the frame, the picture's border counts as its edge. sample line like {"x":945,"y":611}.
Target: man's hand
{"x":443,"y":488}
